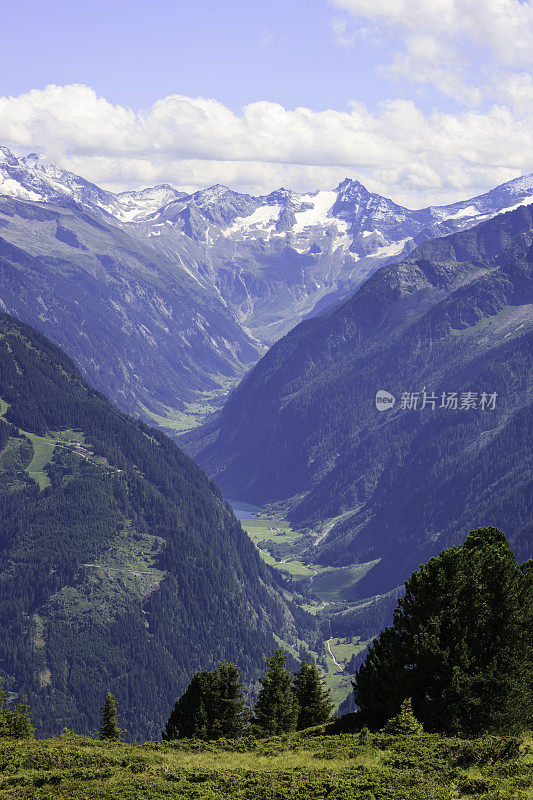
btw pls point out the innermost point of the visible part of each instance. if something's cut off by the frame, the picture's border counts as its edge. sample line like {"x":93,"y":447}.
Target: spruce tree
{"x":229,"y":712}
{"x":460,"y":645}
{"x":15,"y":722}
{"x":312,"y":695}
{"x":404,"y":723}
{"x":213,"y":706}
{"x":188,"y":719}
{"x":110,"y":729}
{"x":276,"y":710}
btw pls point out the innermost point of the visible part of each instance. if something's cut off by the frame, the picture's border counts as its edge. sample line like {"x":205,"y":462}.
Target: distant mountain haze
{"x":165,"y":299}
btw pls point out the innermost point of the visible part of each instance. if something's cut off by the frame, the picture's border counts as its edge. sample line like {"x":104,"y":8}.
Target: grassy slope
{"x":294,"y":767}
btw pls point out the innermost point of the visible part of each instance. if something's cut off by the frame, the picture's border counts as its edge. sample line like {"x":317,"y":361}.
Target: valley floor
{"x":304,"y":766}
{"x":317,"y":589}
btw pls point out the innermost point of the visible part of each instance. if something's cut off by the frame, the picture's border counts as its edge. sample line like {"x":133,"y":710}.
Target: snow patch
{"x":469,"y":211}
{"x":392,"y":249}
{"x":322,"y":203}
{"x":262,"y":217}
{"x":12,"y":188}
{"x":525,"y":202}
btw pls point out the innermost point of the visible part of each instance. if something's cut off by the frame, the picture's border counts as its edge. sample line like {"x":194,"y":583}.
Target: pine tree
{"x":460,"y":645}
{"x":312,"y":695}
{"x":110,"y":730}
{"x":276,"y":710}
{"x":213,"y":706}
{"x":404,"y":723}
{"x":229,"y":715}
{"x":15,"y":722}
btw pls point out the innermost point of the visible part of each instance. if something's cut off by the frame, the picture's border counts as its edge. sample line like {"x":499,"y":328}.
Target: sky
{"x":424,"y":101}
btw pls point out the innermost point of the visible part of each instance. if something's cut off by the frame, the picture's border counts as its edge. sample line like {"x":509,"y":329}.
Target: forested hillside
{"x":121,"y":567}
{"x":303,"y":427}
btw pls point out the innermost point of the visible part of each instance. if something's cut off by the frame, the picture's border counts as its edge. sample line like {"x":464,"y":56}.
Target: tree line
{"x":457,"y":660}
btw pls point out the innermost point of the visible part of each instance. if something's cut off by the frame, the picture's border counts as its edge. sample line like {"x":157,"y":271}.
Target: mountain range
{"x":347,"y":323}
{"x":396,"y":483}
{"x":165,"y":299}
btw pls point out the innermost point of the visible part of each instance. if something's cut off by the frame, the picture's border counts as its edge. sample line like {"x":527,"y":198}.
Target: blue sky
{"x":423,"y":100}
{"x":135,"y":52}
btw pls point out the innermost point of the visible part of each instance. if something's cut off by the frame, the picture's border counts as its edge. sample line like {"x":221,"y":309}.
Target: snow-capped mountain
{"x":31,"y":177}
{"x":258,"y":264}
{"x":279,"y":258}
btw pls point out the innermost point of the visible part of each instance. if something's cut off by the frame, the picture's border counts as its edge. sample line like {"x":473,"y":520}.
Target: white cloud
{"x":396,"y":150}
{"x":461,"y":47}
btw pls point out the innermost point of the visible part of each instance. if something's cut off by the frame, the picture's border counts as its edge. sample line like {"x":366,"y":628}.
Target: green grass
{"x":334,"y":585}
{"x":179,"y":421}
{"x":269,"y":529}
{"x":279,"y":545}
{"x":295,"y":568}
{"x":282,"y":547}
{"x":305,"y":766}
{"x":344,"y":648}
{"x":43,"y":450}
{"x":485,"y":323}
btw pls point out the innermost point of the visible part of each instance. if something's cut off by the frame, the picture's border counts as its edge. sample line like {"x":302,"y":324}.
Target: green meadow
{"x":310,"y":765}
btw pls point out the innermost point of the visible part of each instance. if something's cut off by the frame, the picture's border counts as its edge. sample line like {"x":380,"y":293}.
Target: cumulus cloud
{"x":460,"y":47}
{"x":396,"y":150}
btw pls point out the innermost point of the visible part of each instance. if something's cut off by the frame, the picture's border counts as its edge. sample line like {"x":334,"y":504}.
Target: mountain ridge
{"x":302,"y":430}
{"x":202,"y":283}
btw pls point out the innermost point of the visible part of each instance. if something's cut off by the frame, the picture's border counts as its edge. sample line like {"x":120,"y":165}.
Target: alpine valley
{"x":165,"y":299}
{"x":383,"y":489}
{"x":255,"y":333}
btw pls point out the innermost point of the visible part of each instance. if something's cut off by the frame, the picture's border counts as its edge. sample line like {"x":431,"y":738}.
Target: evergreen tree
{"x":276,"y":710}
{"x":229,"y":712}
{"x":212,"y":707}
{"x":460,"y":645}
{"x":15,"y":722}
{"x":404,"y":723}
{"x":312,"y":695}
{"x":110,"y":729}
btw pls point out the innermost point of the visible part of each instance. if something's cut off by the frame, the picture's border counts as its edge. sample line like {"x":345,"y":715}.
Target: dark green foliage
{"x":110,"y":729}
{"x":212,"y":707}
{"x":312,"y":696}
{"x":276,"y":710}
{"x":460,"y":645}
{"x":404,"y":723}
{"x":15,"y":722}
{"x":128,"y":571}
